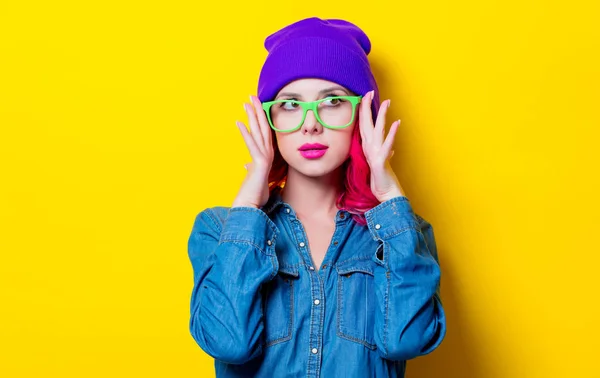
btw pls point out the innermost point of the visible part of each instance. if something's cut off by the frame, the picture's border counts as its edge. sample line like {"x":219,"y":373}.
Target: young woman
{"x":320,"y":268}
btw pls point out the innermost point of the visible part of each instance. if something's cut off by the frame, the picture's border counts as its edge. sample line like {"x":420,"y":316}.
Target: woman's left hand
{"x":384,"y":183}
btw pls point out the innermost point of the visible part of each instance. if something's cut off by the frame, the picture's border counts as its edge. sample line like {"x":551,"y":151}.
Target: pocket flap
{"x":349,"y":266}
{"x":291,"y":270}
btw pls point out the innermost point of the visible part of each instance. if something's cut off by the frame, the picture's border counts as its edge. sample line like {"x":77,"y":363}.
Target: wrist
{"x":243,"y":204}
{"x":391,"y":195}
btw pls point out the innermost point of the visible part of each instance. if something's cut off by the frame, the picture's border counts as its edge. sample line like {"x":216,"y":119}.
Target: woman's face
{"x":315,"y":163}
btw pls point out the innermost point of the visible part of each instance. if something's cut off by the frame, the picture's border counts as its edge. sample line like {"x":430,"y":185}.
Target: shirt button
{"x":311,"y":267}
{"x":287,"y":210}
{"x":301,"y":244}
{"x":269,"y":242}
{"x":317,"y":301}
{"x":377,"y":226}
{"x":314,"y":350}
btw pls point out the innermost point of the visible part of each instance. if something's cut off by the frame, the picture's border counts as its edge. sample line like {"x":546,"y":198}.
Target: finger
{"x":254,"y":127}
{"x":366,"y":117}
{"x":360,"y":126}
{"x":389,"y":140}
{"x":378,"y":132}
{"x":262,"y":121}
{"x":250,"y":143}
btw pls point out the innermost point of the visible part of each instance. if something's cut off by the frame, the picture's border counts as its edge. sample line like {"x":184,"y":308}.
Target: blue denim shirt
{"x":261,"y":308}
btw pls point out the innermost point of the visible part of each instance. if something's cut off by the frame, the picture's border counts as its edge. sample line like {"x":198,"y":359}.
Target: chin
{"x":315,"y":168}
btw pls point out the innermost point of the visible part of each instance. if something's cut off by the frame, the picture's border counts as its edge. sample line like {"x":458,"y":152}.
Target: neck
{"x":312,"y":196}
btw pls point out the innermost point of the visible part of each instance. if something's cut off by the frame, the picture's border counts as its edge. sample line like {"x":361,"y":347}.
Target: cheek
{"x":348,"y":137}
{"x":285,"y":144}
{"x":347,"y":143}
{"x":341,"y":141}
{"x":349,"y":134}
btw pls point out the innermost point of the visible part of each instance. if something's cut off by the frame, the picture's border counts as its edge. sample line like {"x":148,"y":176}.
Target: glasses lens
{"x":333,"y":111}
{"x":286,"y":115}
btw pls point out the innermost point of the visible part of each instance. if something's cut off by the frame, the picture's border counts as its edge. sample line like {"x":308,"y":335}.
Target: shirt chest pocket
{"x":279,"y":306}
{"x":356,"y":302}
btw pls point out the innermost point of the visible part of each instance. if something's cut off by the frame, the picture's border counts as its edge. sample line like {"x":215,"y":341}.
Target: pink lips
{"x":313,"y":154}
{"x":312,"y":150}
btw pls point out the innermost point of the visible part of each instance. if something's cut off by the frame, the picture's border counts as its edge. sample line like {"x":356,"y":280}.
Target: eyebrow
{"x":330,"y":89}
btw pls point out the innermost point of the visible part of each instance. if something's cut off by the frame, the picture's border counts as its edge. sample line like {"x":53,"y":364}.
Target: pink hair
{"x":356,"y":196}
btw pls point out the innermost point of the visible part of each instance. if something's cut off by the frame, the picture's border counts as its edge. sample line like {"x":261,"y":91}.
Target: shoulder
{"x":422,"y":222}
{"x":211,"y":217}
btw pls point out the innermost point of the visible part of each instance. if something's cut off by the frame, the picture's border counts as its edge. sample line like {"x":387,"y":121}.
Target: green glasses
{"x":333,"y":112}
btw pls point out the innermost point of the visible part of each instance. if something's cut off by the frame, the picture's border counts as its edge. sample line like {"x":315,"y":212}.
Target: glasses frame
{"x":312,"y":105}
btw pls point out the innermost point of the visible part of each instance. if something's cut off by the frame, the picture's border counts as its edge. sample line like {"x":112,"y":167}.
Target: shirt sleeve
{"x":410,"y":319}
{"x":231,"y":260}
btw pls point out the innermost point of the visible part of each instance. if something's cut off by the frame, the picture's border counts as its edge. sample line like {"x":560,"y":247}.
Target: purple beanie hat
{"x":329,"y":49}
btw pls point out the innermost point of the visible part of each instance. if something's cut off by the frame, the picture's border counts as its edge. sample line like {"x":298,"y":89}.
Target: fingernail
{"x":251,"y":99}
{"x":246,"y":166}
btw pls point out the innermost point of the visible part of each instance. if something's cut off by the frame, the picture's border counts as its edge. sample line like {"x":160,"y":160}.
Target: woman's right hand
{"x":254,"y":191}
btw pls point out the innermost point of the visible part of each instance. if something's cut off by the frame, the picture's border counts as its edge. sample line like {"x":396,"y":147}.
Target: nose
{"x":311,"y":125}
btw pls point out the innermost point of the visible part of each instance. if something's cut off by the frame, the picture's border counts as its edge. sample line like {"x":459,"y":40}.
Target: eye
{"x":333,"y":101}
{"x":289,"y":104}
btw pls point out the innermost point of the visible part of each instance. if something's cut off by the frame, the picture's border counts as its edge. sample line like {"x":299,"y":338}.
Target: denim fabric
{"x":261,"y":308}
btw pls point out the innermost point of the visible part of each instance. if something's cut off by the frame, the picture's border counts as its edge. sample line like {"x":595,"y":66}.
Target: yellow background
{"x":117,"y":126}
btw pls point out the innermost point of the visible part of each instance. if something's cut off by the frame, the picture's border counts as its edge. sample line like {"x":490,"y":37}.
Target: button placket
{"x":315,"y":339}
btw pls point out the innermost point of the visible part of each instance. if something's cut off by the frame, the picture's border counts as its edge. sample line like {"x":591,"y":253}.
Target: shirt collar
{"x":274,"y":201}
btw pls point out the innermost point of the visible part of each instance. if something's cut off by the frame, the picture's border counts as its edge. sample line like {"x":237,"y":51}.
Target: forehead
{"x":310,"y":86}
